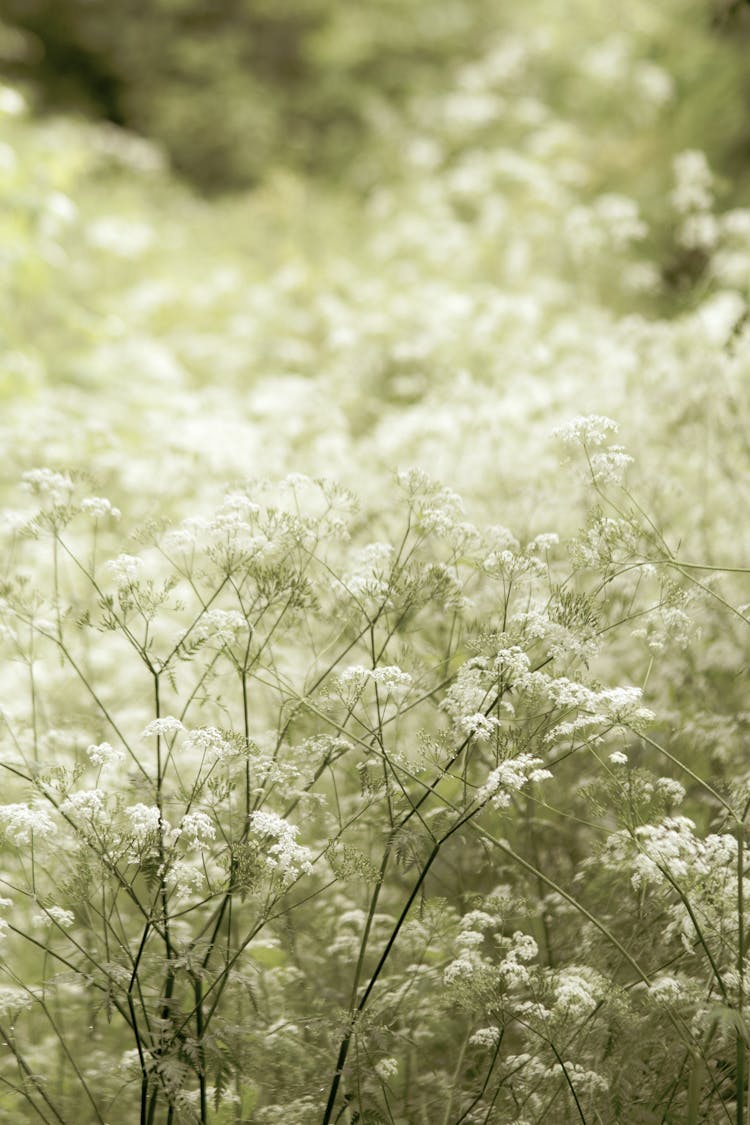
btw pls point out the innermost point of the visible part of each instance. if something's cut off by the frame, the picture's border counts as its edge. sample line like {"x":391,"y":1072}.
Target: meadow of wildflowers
{"x":374,"y":606}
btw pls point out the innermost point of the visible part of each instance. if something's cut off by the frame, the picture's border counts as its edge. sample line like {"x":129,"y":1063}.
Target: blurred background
{"x":343,"y":238}
{"x":233,"y":88}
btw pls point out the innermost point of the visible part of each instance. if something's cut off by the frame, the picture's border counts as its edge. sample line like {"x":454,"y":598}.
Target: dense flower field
{"x":374,"y":608}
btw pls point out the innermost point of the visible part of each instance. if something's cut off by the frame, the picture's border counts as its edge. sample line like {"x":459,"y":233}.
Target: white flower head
{"x":198,"y":828}
{"x":391,"y":676}
{"x":386,"y":1068}
{"x":87,"y":806}
{"x":125,"y":570}
{"x":99,"y":508}
{"x":587,"y":429}
{"x":144,"y":822}
{"x":209,"y":741}
{"x":49,"y":485}
{"x":511,"y":775}
{"x":161,"y":728}
{"x":105,"y":755}
{"x":485,"y":1037}
{"x":285,"y":857}
{"x":57,"y":915}
{"x":184,"y":877}
{"x":21,"y":824}
{"x":693,"y":182}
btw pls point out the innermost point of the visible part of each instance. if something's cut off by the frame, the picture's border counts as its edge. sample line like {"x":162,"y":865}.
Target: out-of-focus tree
{"x":234,"y":87}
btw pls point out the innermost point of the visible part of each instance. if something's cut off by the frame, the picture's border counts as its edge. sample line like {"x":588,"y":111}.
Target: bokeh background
{"x":304,"y":236}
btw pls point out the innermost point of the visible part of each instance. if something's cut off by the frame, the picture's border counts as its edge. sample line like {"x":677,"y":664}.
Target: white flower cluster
{"x":485,"y":1037}
{"x":209,"y":741}
{"x":219,"y":627}
{"x":597,"y":710}
{"x":198,"y":828}
{"x":99,"y":508}
{"x":21,"y":823}
{"x":666,"y":989}
{"x":692,"y":199}
{"x":125,"y":570}
{"x":672,"y":850}
{"x":105,"y":756}
{"x":144,"y":822}
{"x":576,"y":990}
{"x":513,"y":966}
{"x":52,"y":486}
{"x":87,"y":808}
{"x":353,"y":679}
{"x":460,"y":970}
{"x":608,"y":466}
{"x":611,"y":224}
{"x":184,"y":877}
{"x":386,"y":1068}
{"x":438,"y":509}
{"x":14,"y":1000}
{"x":240,"y":503}
{"x":694,"y":180}
{"x":587,"y":429}
{"x":475,"y":687}
{"x":162,"y":728}
{"x":583,"y":1080}
{"x":674,"y":847}
{"x":511,"y":775}
{"x":371,"y":575}
{"x":543,"y":543}
{"x":57,"y":915}
{"x":286,"y":857}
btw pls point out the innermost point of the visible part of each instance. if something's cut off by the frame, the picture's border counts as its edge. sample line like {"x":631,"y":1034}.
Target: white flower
{"x":198,"y":827}
{"x":589,"y":429}
{"x":63,"y":918}
{"x":463,"y":968}
{"x":386,"y":1068}
{"x":608,"y":466}
{"x":53,"y":486}
{"x":512,"y":774}
{"x":86,"y":805}
{"x":477,"y":920}
{"x":160,"y":728}
{"x":223,"y":626}
{"x":21,"y":823}
{"x":184,"y":877}
{"x":574,"y":991}
{"x":617,"y":758}
{"x":486,"y":1037}
{"x":479,"y":725}
{"x":210,"y":741}
{"x":469,"y":939}
{"x":693,"y":182}
{"x":98,"y":508}
{"x":666,"y":989}
{"x":14,"y":999}
{"x":286,"y":857}
{"x":125,"y":569}
{"x":104,"y":755}
{"x":543,"y":543}
{"x":524,"y":946}
{"x":670,"y":790}
{"x":390,"y":676}
{"x":145,"y":821}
